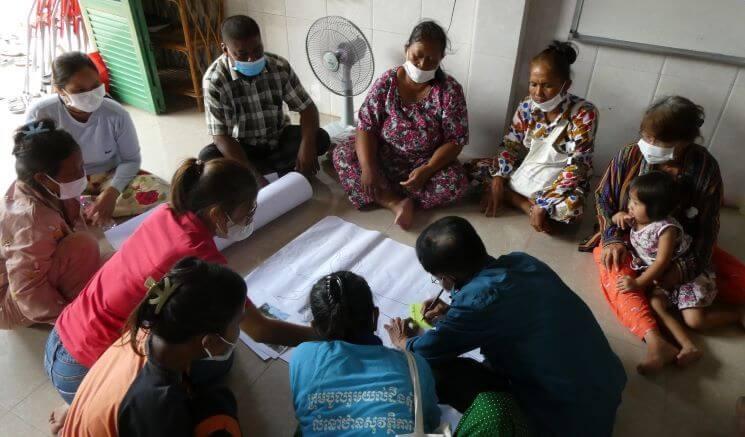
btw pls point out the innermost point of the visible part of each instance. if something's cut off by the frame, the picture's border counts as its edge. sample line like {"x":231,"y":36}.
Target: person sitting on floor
{"x":528,"y":324}
{"x":412,"y":127}
{"x":351,"y":361}
{"x":243,"y":94}
{"x":142,"y":384}
{"x":46,"y":257}
{"x":216,"y":198}
{"x":107,"y":137}
{"x":544,"y":164}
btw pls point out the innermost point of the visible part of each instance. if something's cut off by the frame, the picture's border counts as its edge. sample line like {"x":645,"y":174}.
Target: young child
{"x":141,"y":385}
{"x":658,"y":239}
{"x":349,"y":383}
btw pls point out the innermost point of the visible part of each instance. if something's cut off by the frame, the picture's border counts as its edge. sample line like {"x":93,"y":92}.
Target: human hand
{"x":100,"y":212}
{"x":671,"y":279}
{"x":613,"y":255}
{"x":622,"y":219}
{"x":493,"y":197}
{"x":370,"y":181}
{"x":433,"y":314}
{"x":399,"y":332}
{"x":627,"y":283}
{"x":417,"y":178}
{"x":539,"y":219}
{"x":307,"y":159}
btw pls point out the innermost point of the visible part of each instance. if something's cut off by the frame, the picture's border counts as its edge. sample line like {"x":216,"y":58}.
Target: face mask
{"x":237,"y":232}
{"x":69,"y":190}
{"x":252,"y":68}
{"x":552,"y":103}
{"x":655,"y":154}
{"x":88,"y":101}
{"x":223,"y":357}
{"x":417,"y":75}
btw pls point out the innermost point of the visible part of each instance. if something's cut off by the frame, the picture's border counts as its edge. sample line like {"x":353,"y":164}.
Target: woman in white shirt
{"x":107,"y":138}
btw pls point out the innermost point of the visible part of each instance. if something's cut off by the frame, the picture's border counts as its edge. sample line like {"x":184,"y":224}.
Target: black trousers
{"x":281,"y":160}
{"x":459,"y":380}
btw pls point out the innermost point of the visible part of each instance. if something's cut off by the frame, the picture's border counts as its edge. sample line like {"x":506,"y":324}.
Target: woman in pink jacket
{"x":44,"y":259}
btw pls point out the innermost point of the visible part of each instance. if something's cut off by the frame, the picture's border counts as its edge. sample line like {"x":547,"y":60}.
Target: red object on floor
{"x":103,"y":72}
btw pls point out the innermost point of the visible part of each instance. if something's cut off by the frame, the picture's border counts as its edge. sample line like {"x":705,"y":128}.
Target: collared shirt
{"x":31,"y":227}
{"x":250,"y":108}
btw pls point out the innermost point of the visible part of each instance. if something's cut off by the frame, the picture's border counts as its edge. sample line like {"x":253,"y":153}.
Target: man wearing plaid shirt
{"x":243,"y":94}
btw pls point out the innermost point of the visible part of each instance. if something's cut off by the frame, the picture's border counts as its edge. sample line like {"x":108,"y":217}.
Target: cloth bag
{"x":444,"y":429}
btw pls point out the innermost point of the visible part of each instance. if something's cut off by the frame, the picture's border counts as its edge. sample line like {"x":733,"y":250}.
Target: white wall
{"x":622,"y":83}
{"x":485,"y":37}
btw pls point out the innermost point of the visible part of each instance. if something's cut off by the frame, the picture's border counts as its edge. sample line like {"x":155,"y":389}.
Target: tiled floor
{"x":695,"y":402}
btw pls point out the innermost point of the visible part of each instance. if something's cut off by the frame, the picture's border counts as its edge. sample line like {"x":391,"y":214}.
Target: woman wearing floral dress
{"x":544,"y":164}
{"x":412,"y":127}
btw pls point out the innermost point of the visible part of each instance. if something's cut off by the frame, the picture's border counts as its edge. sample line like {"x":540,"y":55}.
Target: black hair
{"x":342,"y":306}
{"x":66,"y":65}
{"x":559,"y":55}
{"x":39,"y":147}
{"x":198,"y":185}
{"x":432,"y":32}
{"x":239,"y":28}
{"x":451,"y":246}
{"x":205,"y":299}
{"x":659,"y":193}
{"x":673,"y":118}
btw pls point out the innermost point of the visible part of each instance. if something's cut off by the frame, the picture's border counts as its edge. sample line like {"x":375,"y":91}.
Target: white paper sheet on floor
{"x":275,"y":199}
{"x":390,"y":268}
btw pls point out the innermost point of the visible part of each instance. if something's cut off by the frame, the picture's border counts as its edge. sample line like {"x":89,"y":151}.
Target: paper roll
{"x":277,"y":198}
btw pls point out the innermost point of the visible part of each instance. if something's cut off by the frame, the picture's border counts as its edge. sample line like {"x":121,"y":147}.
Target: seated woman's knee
{"x":81,"y":245}
{"x":694,"y":318}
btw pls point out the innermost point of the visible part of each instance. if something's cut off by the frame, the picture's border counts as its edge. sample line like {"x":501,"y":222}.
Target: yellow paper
{"x":415,"y":312}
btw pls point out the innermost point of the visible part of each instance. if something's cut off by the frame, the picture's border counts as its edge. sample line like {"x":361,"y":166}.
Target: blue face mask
{"x":252,"y":68}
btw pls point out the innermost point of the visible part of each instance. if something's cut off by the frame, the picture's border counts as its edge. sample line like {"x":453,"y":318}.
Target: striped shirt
{"x":250,"y":108}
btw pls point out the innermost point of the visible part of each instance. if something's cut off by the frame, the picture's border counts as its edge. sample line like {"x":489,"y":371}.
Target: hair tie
{"x":159,"y":293}
{"x":33,"y":129}
{"x":200,"y":165}
{"x":329,"y":291}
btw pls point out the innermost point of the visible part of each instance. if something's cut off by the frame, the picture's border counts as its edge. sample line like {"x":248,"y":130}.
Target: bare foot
{"x":404,"y":211}
{"x":57,"y":418}
{"x":688,"y":355}
{"x":658,"y":356}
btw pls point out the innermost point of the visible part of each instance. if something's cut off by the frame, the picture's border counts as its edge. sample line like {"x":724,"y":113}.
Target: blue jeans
{"x":65,"y":373}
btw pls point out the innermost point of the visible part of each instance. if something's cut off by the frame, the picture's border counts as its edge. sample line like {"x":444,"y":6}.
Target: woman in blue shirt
{"x":349,"y":384}
{"x":529,"y":325}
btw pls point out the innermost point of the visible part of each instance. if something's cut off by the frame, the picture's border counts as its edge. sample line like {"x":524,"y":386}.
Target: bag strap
{"x":418,"y":413}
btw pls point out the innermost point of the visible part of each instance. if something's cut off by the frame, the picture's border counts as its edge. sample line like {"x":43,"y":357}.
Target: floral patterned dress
{"x":564,"y":198}
{"x":700,"y":292}
{"x":408,"y":135}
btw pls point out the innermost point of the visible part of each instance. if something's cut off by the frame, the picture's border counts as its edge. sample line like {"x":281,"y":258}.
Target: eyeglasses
{"x":435,"y":280}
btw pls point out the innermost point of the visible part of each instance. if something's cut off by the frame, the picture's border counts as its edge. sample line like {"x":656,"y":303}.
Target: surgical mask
{"x":237,"y":232}
{"x":250,"y":68}
{"x":222,"y":357}
{"x":88,"y":101}
{"x":655,"y":154}
{"x":552,"y":103}
{"x":418,"y":75}
{"x":69,"y":190}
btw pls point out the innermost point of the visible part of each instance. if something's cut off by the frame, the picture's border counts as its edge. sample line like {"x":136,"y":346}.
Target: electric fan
{"x":341,"y":58}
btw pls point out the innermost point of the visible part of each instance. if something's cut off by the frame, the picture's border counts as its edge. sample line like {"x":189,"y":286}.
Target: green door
{"x":119,"y":32}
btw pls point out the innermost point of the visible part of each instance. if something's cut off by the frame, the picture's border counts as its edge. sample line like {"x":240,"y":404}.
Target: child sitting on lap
{"x":658,"y":239}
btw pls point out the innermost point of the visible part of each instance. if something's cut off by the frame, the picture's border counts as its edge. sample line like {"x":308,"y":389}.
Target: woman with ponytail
{"x":45,"y":256}
{"x":350,"y":376}
{"x":544,"y":163}
{"x":208,"y":199}
{"x":143,"y":385}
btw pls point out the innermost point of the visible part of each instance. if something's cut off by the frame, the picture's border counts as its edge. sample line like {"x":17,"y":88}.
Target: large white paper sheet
{"x":275,"y":199}
{"x":390,"y":268}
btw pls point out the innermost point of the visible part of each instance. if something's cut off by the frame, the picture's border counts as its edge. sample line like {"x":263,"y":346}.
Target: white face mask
{"x":69,"y":190}
{"x":237,"y":232}
{"x":552,"y":103}
{"x":655,"y":154}
{"x":417,"y":75}
{"x":222,"y":357}
{"x":88,"y":101}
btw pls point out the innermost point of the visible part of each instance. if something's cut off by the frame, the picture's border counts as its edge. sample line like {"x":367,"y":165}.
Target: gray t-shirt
{"x":108,"y":139}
